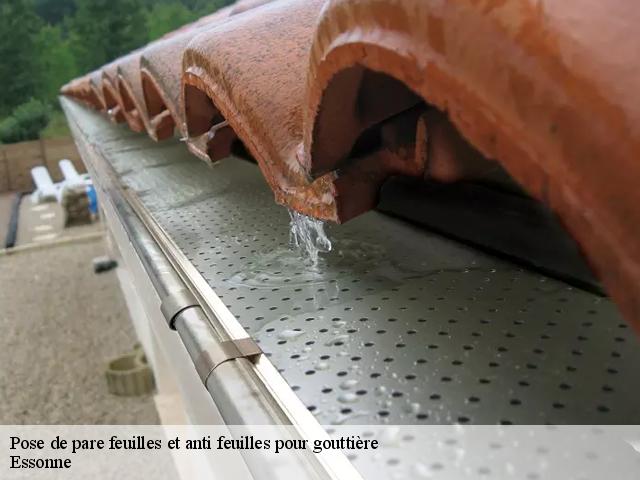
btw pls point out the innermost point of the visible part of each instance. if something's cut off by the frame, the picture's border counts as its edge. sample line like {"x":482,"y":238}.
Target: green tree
{"x":18,"y":64}
{"x":102,"y":30}
{"x":166,"y":17}
{"x":54,"y":11}
{"x":25,"y":122}
{"x":56,"y":60}
{"x":204,"y":7}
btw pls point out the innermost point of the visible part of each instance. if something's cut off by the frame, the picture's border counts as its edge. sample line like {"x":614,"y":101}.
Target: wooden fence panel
{"x":58,"y":148}
{"x":17,"y":160}
{"x":21,"y":158}
{"x":4,"y":173}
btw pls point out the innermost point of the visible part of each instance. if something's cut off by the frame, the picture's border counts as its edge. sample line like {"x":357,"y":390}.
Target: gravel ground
{"x":60,"y":324}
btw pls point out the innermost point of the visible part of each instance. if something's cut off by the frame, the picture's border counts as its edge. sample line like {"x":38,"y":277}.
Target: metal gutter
{"x":392,"y":290}
{"x":207,"y":327}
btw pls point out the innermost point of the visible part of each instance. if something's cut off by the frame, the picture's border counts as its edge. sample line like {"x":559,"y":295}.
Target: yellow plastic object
{"x":130,"y":375}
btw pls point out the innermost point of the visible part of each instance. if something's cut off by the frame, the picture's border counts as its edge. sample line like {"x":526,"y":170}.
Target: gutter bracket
{"x":175,"y":303}
{"x":210,"y":359}
{"x":206,"y":350}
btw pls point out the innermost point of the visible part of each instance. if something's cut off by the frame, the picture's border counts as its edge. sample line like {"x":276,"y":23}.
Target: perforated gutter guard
{"x":244,"y":385}
{"x":470,"y":338}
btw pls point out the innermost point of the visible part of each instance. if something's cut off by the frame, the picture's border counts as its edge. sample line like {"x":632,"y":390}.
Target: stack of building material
{"x":76,"y":205}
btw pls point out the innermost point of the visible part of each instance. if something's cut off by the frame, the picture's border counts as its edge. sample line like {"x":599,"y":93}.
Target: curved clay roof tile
{"x":130,"y":90}
{"x":111,"y":94}
{"x":161,"y":74}
{"x":161,"y":71}
{"x":543,"y":87}
{"x":246,"y":77}
{"x":81,"y":89}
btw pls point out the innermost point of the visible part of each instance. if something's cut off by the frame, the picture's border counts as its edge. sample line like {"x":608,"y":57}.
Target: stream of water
{"x":308,"y":236}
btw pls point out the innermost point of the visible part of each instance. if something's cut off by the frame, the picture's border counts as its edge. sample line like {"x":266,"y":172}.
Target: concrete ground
{"x":60,"y":324}
{"x":40,"y":222}
{"x":37,"y":222}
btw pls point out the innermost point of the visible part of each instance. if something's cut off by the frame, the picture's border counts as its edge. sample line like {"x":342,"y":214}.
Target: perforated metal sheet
{"x":457,"y":452}
{"x":401,"y":326}
{"x":396,"y":325}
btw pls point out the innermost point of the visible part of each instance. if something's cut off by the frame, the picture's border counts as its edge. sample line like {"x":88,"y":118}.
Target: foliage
{"x":54,"y":11}
{"x":203,"y":7}
{"x":57,"y":126}
{"x":102,"y":30}
{"x":18,"y":69}
{"x":55,"y":60}
{"x":25,"y":122}
{"x":166,"y":17}
{"x":46,"y":43}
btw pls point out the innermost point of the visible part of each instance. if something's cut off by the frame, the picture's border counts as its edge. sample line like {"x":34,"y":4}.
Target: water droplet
{"x":343,"y":418}
{"x":290,"y":334}
{"x":390,"y":436}
{"x":336,"y":340}
{"x":348,"y":397}
{"x":421,"y":471}
{"x":412,"y":408}
{"x":348,"y":384}
{"x":380,"y":390}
